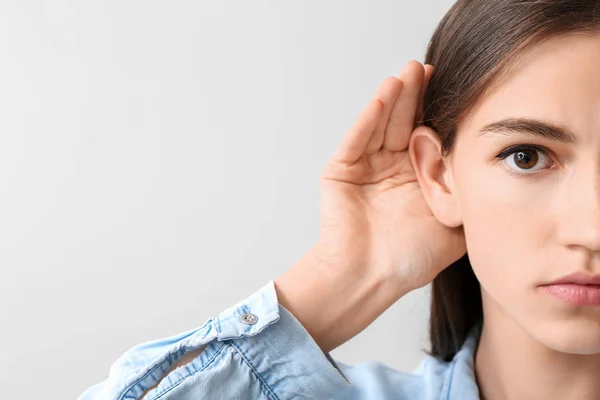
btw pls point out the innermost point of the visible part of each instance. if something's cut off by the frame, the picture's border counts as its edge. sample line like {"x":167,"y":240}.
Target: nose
{"x":579,"y":203}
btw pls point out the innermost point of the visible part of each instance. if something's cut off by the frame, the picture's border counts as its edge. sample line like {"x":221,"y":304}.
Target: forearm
{"x":332,"y":304}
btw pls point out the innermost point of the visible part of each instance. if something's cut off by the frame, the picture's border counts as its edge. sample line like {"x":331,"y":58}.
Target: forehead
{"x":558,"y":81}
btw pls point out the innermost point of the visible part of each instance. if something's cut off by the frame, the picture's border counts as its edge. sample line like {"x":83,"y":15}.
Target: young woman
{"x":492,"y":146}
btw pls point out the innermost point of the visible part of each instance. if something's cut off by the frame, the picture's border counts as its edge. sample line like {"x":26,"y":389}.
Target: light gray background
{"x":160,"y":161}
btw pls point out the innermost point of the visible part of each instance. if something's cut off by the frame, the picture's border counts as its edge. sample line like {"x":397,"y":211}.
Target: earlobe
{"x":433,"y":175}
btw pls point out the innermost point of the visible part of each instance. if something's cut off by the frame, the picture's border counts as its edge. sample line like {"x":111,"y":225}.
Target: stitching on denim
{"x":150,"y":371}
{"x":253,"y":368}
{"x":177,"y":383}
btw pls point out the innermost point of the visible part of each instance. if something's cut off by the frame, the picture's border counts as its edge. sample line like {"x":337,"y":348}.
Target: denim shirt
{"x":257,"y":349}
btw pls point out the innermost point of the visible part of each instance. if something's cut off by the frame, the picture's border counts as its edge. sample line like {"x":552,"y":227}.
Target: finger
{"x":354,"y":142}
{"x":428,"y":72}
{"x":401,"y":122}
{"x":391,"y":88}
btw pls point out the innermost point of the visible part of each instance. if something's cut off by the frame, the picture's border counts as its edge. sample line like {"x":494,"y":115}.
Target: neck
{"x":511,"y":364}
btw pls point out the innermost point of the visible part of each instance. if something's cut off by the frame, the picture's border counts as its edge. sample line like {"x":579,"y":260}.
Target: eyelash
{"x":515,"y":149}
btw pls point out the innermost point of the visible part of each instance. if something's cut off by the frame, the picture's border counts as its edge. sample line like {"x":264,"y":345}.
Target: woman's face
{"x":532,"y":214}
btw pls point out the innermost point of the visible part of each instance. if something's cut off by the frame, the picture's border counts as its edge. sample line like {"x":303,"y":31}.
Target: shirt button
{"x":249,"y":319}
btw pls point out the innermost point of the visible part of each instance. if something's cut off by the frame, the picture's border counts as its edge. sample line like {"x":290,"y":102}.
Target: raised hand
{"x":373,"y":217}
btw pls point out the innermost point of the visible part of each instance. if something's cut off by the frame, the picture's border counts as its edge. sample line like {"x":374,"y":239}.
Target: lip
{"x":573,"y":293}
{"x":579,"y":288}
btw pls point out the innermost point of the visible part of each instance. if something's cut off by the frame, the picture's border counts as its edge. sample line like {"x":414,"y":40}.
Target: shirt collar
{"x":463,"y":384}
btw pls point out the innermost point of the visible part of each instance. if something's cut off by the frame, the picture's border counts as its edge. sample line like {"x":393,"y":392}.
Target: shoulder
{"x":432,"y":379}
{"x":376,"y":380}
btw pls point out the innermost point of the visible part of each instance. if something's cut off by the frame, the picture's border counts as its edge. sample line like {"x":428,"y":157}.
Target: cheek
{"x":503,"y":222}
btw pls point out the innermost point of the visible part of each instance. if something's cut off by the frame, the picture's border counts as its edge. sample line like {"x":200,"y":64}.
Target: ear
{"x":434,"y":176}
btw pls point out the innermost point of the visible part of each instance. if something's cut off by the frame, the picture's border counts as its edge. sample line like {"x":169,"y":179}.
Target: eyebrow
{"x":530,"y":127}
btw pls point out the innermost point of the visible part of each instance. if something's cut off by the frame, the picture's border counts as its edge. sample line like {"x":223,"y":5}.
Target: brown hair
{"x":472,"y":49}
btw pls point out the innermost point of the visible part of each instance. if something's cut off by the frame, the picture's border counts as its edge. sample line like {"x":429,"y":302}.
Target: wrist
{"x":334,"y":302}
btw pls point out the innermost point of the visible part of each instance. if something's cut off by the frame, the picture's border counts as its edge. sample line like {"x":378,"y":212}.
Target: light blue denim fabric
{"x":274,"y":358}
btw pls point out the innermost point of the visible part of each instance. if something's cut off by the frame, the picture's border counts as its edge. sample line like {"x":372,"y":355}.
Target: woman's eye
{"x":526,"y":159}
